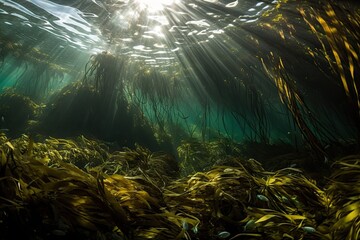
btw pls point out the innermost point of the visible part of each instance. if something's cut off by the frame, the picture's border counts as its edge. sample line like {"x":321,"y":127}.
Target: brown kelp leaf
{"x":265,"y":218}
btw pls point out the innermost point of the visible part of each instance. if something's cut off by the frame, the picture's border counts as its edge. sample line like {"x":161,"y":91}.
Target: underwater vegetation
{"x":97,"y":106}
{"x":338,"y":34}
{"x":346,"y":203}
{"x":246,"y":80}
{"x":211,"y":121}
{"x":6,"y":47}
{"x":198,"y":156}
{"x":105,"y":72}
{"x":36,"y":73}
{"x":78,"y":109}
{"x":333,"y":52}
{"x":157,"y":94}
{"x":48,"y":192}
{"x":70,"y":110}
{"x":17,"y":112}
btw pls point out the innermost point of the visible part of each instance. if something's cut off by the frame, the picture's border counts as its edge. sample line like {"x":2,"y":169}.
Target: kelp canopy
{"x":179,"y":119}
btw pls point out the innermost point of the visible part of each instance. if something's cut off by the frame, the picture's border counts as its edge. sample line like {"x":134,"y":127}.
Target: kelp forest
{"x":180,"y":119}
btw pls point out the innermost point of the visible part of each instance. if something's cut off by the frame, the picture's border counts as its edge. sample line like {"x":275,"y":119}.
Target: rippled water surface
{"x":139,"y":28}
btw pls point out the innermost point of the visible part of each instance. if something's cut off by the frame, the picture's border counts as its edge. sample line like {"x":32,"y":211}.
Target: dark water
{"x":263,"y":71}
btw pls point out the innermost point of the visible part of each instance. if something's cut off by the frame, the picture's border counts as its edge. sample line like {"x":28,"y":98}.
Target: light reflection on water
{"x":169,"y":29}
{"x":63,"y":22}
{"x":137,"y":28}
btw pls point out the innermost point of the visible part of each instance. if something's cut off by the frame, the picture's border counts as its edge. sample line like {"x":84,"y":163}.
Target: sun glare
{"x":154,"y":5}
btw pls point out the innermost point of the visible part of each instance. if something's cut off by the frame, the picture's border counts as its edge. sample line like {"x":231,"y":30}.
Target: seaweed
{"x":46,"y":197}
{"x":7,"y":47}
{"x":79,"y":109}
{"x":17,"y":112}
{"x":195,"y":155}
{"x":54,"y":201}
{"x":293,"y":100}
{"x":70,"y":111}
{"x":344,"y":190}
{"x":338,"y":33}
{"x":105,"y":72}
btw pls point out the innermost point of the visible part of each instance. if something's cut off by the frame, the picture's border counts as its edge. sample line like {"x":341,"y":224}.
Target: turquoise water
{"x":186,"y":68}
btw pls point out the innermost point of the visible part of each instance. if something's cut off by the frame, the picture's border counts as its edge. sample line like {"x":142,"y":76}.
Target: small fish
{"x":57,"y":232}
{"x":262,"y":198}
{"x":185,"y":225}
{"x":195,"y":230}
{"x":2,"y":119}
{"x":223,"y":234}
{"x":88,"y":165}
{"x":296,"y":202}
{"x":285,"y":199}
{"x":227,"y":170}
{"x":308,"y":229}
{"x":250,"y":225}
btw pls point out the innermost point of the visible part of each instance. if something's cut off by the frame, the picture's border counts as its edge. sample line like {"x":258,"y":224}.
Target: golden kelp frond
{"x":157,"y":169}
{"x":348,"y":169}
{"x":216,"y":196}
{"x":130,"y":194}
{"x":290,"y":96}
{"x":344,"y":192}
{"x":220,"y":196}
{"x":288,"y":190}
{"x":63,"y":198}
{"x":81,"y":152}
{"x":47,"y":199}
{"x":166,"y":225}
{"x":192,"y":153}
{"x":338,"y":33}
{"x":276,"y":21}
{"x":272,"y":224}
{"x":200,"y":156}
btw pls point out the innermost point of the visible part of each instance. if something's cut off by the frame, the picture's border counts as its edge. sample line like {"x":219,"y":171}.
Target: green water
{"x":182,"y":70}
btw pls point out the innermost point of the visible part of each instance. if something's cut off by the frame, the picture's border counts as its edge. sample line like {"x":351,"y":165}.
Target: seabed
{"x":78,"y":189}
